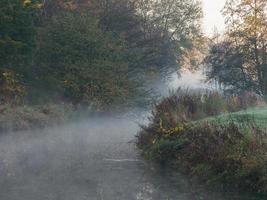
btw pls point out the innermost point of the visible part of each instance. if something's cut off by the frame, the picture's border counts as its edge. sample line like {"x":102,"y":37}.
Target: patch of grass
{"x":256,"y":114}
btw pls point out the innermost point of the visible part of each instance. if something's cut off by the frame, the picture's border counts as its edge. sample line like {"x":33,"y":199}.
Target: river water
{"x":94,"y":159}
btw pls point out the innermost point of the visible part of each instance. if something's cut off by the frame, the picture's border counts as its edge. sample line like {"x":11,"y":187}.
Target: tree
{"x":246,"y":40}
{"x":158,"y":33}
{"x":16,"y":34}
{"x":92,"y":51}
{"x":178,"y":23}
{"x":88,"y":66}
{"x":17,"y":42}
{"x":225,"y":66}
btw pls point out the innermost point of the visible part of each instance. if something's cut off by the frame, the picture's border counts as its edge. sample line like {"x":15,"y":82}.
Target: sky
{"x":213,"y":16}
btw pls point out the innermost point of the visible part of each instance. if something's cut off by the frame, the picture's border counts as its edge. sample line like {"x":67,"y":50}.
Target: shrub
{"x":12,"y":89}
{"x":25,"y":117}
{"x":230,"y":153}
{"x":185,"y":105}
{"x":230,"y":149}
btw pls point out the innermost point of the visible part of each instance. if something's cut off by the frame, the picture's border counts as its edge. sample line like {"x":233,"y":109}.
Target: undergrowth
{"x":15,"y":118}
{"x":231,"y":151}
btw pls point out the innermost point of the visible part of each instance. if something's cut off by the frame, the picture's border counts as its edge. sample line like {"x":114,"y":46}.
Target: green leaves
{"x":102,"y":52}
{"x":90,"y":65}
{"x":239,"y":61}
{"x":17,"y":37}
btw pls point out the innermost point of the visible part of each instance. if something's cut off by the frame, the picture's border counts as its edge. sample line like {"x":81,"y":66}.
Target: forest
{"x":64,"y":61}
{"x":92,"y":53}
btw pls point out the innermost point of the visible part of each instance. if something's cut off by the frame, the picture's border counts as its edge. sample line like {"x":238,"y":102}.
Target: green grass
{"x":257,"y":114}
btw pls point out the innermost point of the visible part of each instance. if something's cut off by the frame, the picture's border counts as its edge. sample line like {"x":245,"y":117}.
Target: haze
{"x":213,"y":18}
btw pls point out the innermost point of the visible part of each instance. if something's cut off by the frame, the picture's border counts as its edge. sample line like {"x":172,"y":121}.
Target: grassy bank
{"x":256,"y":114}
{"x":189,"y":131}
{"x":15,"y":118}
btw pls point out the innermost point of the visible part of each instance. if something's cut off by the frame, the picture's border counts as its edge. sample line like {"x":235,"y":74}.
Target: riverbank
{"x":18,"y":118}
{"x":229,"y":150}
{"x":14,"y":118}
{"x":91,"y":159}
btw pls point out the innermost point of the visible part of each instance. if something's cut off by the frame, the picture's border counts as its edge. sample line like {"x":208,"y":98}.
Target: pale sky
{"x":213,"y":16}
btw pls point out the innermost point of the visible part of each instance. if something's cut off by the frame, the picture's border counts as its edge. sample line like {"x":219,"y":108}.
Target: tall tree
{"x":83,"y":64}
{"x":159,"y":32}
{"x":246,"y":40}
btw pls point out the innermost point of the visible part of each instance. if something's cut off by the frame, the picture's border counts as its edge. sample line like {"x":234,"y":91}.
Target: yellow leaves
{"x":26,"y":2}
{"x":32,"y":4}
{"x":171,"y":131}
{"x":11,"y":88}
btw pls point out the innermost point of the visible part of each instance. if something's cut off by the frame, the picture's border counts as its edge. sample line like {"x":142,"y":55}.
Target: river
{"x":93,"y":159}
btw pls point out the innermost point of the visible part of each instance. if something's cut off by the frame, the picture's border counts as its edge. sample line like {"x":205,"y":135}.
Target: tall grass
{"x":228,"y":153}
{"x":233,"y":152}
{"x":188,"y":105}
{"x":15,"y":118}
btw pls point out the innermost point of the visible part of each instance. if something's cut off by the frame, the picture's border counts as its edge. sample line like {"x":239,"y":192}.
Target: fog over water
{"x":94,"y":159}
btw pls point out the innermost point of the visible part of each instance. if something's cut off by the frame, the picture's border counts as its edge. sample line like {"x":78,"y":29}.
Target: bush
{"x":12,"y":89}
{"x":26,"y":118}
{"x":229,"y":150}
{"x":228,"y":153}
{"x":184,"y":105}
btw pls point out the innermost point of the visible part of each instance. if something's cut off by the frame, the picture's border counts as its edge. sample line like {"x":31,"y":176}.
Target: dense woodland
{"x":109,"y":52}
{"x":92,"y":52}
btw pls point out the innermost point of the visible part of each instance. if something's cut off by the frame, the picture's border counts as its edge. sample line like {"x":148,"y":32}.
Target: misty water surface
{"x":94,"y":159}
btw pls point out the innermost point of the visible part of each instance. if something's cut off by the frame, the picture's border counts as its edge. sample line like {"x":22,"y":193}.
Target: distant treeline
{"x":97,"y":53}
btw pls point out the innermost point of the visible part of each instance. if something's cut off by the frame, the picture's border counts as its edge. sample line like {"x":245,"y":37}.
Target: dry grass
{"x":14,"y":118}
{"x":232,"y":153}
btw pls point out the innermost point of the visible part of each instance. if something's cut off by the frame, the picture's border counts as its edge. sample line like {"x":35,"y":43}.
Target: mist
{"x":95,"y":158}
{"x":90,"y":108}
